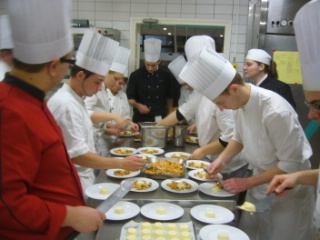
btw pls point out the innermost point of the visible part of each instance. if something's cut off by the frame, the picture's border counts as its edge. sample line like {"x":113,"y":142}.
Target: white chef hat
{"x":96,"y":52}
{"x":152,"y":49}
{"x":5,"y":33}
{"x":307,"y":30}
{"x":208,"y":73}
{"x":120,"y":61}
{"x":176,"y":67}
{"x":195,"y":44}
{"x":41,"y":29}
{"x":259,"y":55}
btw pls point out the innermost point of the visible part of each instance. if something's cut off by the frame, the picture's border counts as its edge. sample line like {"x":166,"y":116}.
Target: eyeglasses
{"x":70,"y":61}
{"x":313,"y":106}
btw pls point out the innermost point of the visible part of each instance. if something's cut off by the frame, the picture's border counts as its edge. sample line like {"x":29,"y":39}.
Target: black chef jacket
{"x":151,"y":90}
{"x":279,"y":87}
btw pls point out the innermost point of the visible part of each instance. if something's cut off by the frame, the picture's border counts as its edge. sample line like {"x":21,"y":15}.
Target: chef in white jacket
{"x":67,"y":107}
{"x":6,"y":46}
{"x":268,"y":129}
{"x":111,"y":99}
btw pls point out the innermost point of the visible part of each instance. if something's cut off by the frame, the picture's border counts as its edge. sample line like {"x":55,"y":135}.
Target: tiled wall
{"x":116,"y":14}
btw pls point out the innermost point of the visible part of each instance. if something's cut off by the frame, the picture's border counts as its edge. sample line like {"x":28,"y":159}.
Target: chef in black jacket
{"x":261,"y":69}
{"x":149,"y":89}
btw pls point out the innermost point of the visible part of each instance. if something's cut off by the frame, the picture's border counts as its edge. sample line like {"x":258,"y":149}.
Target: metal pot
{"x":153,"y":136}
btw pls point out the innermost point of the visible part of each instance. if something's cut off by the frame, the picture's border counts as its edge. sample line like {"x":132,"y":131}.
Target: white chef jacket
{"x":212,"y":124}
{"x":185,"y":95}
{"x":270,"y":131}
{"x":4,"y":68}
{"x":119,"y":104}
{"x":71,"y":115}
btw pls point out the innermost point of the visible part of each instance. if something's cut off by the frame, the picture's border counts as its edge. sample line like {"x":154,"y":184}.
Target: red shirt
{"x":37,"y":178}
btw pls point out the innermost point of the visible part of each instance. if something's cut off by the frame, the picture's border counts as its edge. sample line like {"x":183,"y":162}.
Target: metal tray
{"x":165,"y":176}
{"x":112,"y":229}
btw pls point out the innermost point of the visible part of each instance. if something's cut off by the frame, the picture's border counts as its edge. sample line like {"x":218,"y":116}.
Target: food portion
{"x":202,"y":174}
{"x":141,"y":185}
{"x":118,"y":210}
{"x":248,"y":206}
{"x":210,"y":214}
{"x":217,"y":187}
{"x":161,"y":210}
{"x":179,"y":155}
{"x":165,"y":167}
{"x":121,"y":172}
{"x":128,"y":132}
{"x":150,"y":151}
{"x":104,"y":191}
{"x":223,"y":236}
{"x":179,"y":185}
{"x":123,"y":151}
{"x":192,"y":139}
{"x":197,"y":165}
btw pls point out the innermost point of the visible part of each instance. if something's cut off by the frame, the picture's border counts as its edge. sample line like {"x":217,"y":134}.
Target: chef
{"x":112,"y":101}
{"x":41,"y":195}
{"x":304,"y":25}
{"x":268,"y":129}
{"x":67,"y":106}
{"x":6,"y":46}
{"x":150,"y":87}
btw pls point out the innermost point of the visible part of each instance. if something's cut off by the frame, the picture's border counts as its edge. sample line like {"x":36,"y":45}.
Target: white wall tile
{"x":188,"y":8}
{"x":155,"y":15}
{"x":189,"y":1}
{"x":204,"y":9}
{"x":120,"y":7}
{"x":125,"y":43}
{"x":139,"y":1}
{"x":188,"y":15}
{"x":156,"y":8}
{"x":104,"y":16}
{"x":120,"y":16}
{"x":244,"y":10}
{"x":241,"y":19}
{"x":90,"y":15}
{"x":125,"y":35}
{"x":240,"y":29}
{"x":86,"y":6}
{"x":104,"y":24}
{"x":241,"y":38}
{"x":103,"y":6}
{"x":121,"y":25}
{"x":205,"y":2}
{"x":157,"y":1}
{"x":222,"y":17}
{"x":225,"y":2}
{"x":225,"y":9}
{"x":175,"y":1}
{"x":139,"y":7}
{"x":173,"y":8}
{"x":204,"y":16}
{"x":138,"y":14}
{"x":244,"y":2}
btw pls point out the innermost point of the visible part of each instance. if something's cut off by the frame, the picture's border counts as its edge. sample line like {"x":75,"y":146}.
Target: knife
{"x":107,"y":204}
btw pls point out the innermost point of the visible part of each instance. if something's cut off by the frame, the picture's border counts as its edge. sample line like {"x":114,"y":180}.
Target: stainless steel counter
{"x":112,"y":229}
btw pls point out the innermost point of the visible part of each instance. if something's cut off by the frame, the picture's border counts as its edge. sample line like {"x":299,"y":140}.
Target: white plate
{"x":206,"y":189}
{"x":159,"y":150}
{"x":193,"y":184}
{"x":223,"y":215}
{"x":196,"y":161}
{"x":154,"y":184}
{"x":210,"y":232}
{"x":193,"y":172}
{"x":134,"y":151}
{"x":110,"y":173}
{"x":144,"y":154}
{"x":130,"y":210}
{"x":170,"y":154}
{"x":94,"y":190}
{"x":173,"y":211}
{"x":192,"y":140}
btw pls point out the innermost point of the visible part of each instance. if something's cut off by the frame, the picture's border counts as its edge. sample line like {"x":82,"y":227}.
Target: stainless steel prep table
{"x":112,"y":229}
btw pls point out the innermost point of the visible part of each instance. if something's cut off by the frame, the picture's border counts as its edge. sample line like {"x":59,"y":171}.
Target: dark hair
{"x":236,"y":80}
{"x":75,"y":69}
{"x":271,"y":70}
{"x":32,"y":68}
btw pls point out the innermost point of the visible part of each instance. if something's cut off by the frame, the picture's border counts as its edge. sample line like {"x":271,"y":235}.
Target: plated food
{"x":151,"y":150}
{"x":217,"y":231}
{"x":101,"y":191}
{"x":165,"y":167}
{"x":201,"y":175}
{"x":196,"y":164}
{"x":192,"y":139}
{"x":179,"y":185}
{"x":161,"y":211}
{"x":123,"y":210}
{"x":123,"y":151}
{"x":181,"y":155}
{"x":210,"y":213}
{"x":121,"y":173}
{"x":214,"y":189}
{"x":128,"y":133}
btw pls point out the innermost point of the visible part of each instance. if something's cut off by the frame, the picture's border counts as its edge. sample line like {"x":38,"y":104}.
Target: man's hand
{"x":236,"y":185}
{"x":143,"y":109}
{"x":133,"y":163}
{"x":197,"y":154}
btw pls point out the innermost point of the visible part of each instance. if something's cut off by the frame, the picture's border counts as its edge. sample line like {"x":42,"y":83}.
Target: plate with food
{"x":141,"y":184}
{"x":196,"y":164}
{"x":214,"y":189}
{"x":121,"y":173}
{"x":201,"y":175}
{"x":151,"y":150}
{"x":192,"y":139}
{"x":182,"y":155}
{"x":123,"y":151}
{"x":163,"y":168}
{"x":128,"y":133}
{"x":101,"y":191}
{"x":162,"y":211}
{"x":123,"y":210}
{"x":179,"y":185}
{"x":217,"y":231}
{"x":210,"y":213}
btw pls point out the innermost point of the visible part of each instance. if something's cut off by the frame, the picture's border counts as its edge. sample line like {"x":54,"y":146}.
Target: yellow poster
{"x":288,"y":66}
